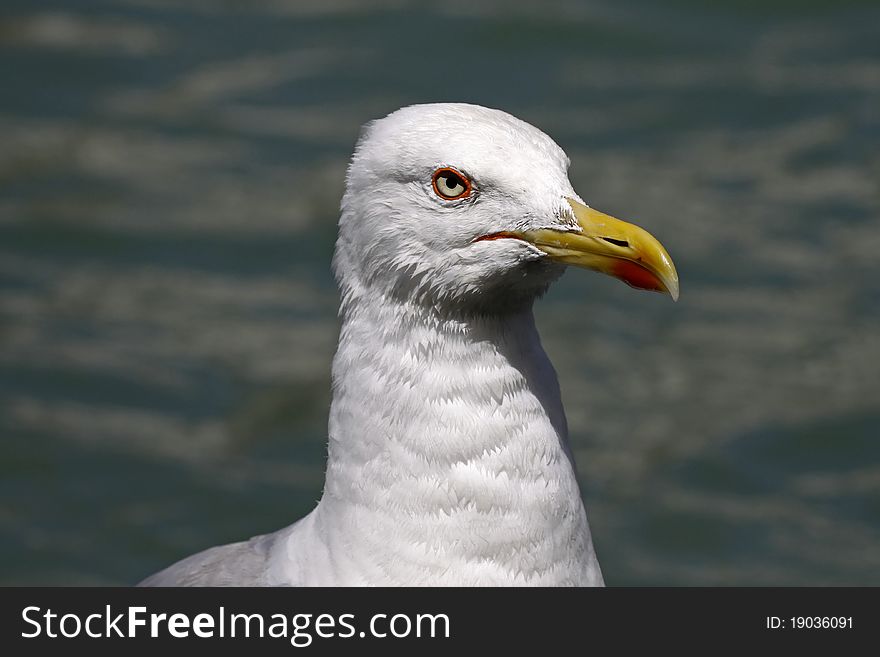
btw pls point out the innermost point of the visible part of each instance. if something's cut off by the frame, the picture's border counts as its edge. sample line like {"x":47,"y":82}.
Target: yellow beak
{"x":610,"y":246}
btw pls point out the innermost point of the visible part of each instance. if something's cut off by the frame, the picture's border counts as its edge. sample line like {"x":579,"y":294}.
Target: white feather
{"x":448,"y":457}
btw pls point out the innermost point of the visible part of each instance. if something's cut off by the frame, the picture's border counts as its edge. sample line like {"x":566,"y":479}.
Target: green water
{"x":170,"y":173}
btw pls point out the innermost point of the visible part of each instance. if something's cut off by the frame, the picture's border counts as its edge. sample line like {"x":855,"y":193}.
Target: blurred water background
{"x":170,"y":172}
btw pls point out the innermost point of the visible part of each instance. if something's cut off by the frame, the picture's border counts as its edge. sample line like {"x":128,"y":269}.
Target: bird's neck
{"x":448,"y":446}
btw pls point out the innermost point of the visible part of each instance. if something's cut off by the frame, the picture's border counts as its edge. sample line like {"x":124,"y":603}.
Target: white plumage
{"x":448,"y":456}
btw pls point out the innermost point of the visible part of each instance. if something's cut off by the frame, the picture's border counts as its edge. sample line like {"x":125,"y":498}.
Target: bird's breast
{"x":448,"y":462}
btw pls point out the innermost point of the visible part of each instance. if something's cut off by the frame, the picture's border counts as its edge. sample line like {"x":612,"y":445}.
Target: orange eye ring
{"x":450,"y":184}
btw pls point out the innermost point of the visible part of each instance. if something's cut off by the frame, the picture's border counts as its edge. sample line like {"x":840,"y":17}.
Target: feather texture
{"x":448,"y":457}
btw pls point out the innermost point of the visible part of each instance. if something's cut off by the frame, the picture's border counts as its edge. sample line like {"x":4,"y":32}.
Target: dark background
{"x":170,"y":173}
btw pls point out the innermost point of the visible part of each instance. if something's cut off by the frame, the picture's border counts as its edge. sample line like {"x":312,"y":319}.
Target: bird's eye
{"x":450,"y":184}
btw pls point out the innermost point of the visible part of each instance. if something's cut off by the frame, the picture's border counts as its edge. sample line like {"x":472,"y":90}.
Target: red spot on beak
{"x":636,"y":276}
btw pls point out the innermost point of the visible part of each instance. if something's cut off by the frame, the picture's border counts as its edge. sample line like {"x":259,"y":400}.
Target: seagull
{"x":448,"y":455}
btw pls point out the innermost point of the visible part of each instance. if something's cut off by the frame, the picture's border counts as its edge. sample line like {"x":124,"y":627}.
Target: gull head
{"x":462,"y":207}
